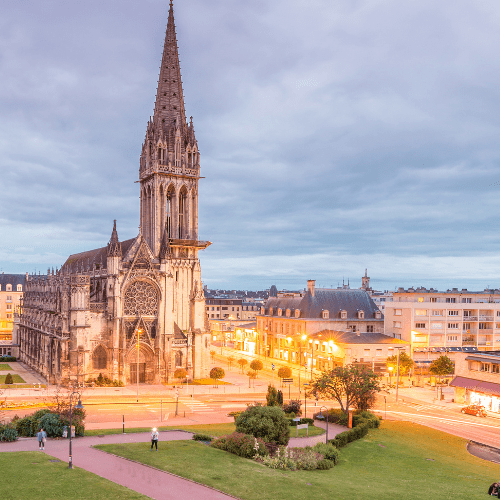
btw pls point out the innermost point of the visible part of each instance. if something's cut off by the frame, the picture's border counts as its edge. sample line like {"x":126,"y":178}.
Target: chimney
{"x":310,"y":286}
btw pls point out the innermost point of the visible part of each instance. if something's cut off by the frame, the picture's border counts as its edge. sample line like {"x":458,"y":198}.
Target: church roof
{"x":333,"y":301}
{"x":86,"y":260}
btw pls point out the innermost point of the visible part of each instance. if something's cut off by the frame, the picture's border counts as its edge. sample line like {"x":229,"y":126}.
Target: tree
{"x":212,"y":355}
{"x":284,"y":372}
{"x":252,"y":375}
{"x":267,"y":422}
{"x":216,"y":374}
{"x":242,"y":362}
{"x":256,"y":365}
{"x":442,"y":366}
{"x":279,"y":398}
{"x":349,"y":385}
{"x":180,"y":373}
{"x":230,"y":361}
{"x":405,"y":363}
{"x":8,"y":379}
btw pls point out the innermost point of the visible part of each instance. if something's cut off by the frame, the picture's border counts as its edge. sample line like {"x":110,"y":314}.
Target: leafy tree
{"x":8,"y":379}
{"x":349,"y":385}
{"x":271,"y":396}
{"x":230,"y":361}
{"x":256,"y":365}
{"x":180,"y":373}
{"x":405,"y":363}
{"x":284,"y":372}
{"x":442,"y":366}
{"x":51,"y":424}
{"x":216,"y":374}
{"x":279,"y":398}
{"x":252,"y":374}
{"x":242,"y":362}
{"x":212,"y":355}
{"x":267,"y":422}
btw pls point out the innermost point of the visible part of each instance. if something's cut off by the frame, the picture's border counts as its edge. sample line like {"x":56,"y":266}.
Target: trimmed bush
{"x":266,"y":422}
{"x":292,"y":423}
{"x":328,"y":451}
{"x":8,"y":434}
{"x":8,"y":379}
{"x":293,"y":406}
{"x":51,"y":424}
{"x":325,"y":464}
{"x":202,"y":437}
{"x":4,"y":359}
{"x":241,"y":444}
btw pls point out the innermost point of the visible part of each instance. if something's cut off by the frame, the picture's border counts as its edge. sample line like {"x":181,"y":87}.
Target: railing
{"x":98,"y":306}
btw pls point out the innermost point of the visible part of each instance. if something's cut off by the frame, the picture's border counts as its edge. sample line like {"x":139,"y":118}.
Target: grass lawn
{"x":4,"y":367}
{"x":30,"y":474}
{"x":211,"y":429}
{"x":400,"y":460}
{"x":17,"y":379}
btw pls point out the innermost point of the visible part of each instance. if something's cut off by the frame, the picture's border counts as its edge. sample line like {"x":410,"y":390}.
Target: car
{"x":476,"y":410}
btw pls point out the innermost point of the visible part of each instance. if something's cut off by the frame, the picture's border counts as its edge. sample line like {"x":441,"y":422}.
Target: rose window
{"x":141,"y":299}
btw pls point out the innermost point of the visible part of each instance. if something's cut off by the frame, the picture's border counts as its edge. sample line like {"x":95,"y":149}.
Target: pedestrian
{"x":42,"y":437}
{"x":154,"y":438}
{"x":494,"y":490}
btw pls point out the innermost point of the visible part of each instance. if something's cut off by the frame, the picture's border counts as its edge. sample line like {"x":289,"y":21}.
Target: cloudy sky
{"x":336,"y":135}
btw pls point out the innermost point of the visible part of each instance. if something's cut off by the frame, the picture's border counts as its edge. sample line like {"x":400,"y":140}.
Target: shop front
{"x":478,"y":392}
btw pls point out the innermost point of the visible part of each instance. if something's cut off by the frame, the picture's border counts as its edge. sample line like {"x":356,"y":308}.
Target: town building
{"x":437,"y":322}
{"x":290,"y":317}
{"x":11,"y":295}
{"x":477,"y":379}
{"x":223,"y":308}
{"x":132,"y":310}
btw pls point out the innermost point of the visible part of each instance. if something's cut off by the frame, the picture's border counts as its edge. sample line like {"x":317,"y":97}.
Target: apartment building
{"x":223,"y":308}
{"x":435,"y":322}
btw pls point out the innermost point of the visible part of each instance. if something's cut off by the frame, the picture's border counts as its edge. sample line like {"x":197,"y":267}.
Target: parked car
{"x":476,"y":410}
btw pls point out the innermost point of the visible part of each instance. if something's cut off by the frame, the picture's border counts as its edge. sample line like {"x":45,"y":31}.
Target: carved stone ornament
{"x":141,"y":299}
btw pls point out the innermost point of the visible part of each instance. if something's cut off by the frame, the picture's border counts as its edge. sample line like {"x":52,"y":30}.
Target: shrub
{"x":353,"y":434}
{"x":4,"y":359}
{"x":266,"y":422}
{"x":8,"y":379}
{"x":293,"y":406}
{"x":293,"y":423}
{"x":241,"y":444}
{"x":8,"y":434}
{"x":293,"y":459}
{"x":202,"y":437}
{"x":328,"y":451}
{"x":279,"y":398}
{"x":51,"y":424}
{"x":26,"y":426}
{"x":271,"y":396}
{"x":325,"y":464}
{"x":180,"y":373}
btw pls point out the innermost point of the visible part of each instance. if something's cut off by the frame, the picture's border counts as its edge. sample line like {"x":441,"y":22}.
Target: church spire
{"x":114,"y":247}
{"x":169,"y":105}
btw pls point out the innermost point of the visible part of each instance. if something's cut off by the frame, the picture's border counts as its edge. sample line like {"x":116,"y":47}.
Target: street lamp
{"x":79,"y":406}
{"x":321,"y":417}
{"x":397,"y":376}
{"x":304,"y":337}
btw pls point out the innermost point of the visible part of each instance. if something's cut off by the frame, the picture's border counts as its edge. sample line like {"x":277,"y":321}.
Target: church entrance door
{"x":133,"y":372}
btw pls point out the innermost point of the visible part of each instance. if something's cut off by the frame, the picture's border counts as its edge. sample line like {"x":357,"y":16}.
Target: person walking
{"x":42,"y":437}
{"x":154,"y":439}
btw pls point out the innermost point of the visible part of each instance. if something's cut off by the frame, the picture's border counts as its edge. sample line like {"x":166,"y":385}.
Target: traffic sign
{"x":288,"y":380}
{"x":273,"y":366}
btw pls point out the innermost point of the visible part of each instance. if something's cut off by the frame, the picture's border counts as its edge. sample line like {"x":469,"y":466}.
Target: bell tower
{"x":170,"y":161}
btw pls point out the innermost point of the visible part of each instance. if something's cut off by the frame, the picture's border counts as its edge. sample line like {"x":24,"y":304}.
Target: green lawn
{"x":4,"y":367}
{"x":211,"y":429}
{"x":31,"y":475}
{"x":16,"y":378}
{"x":400,"y":461}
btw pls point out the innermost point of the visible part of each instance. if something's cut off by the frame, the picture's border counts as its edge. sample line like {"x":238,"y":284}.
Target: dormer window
{"x":271,"y":311}
{"x":287,"y":313}
{"x":19,"y":288}
{"x":280,"y":312}
{"x":343,"y":314}
{"x":297,"y":313}
{"x":325,"y":314}
{"x":361,"y":314}
{"x":378,"y":315}
{"x":9,"y":288}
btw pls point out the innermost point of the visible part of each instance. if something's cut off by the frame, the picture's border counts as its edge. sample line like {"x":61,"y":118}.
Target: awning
{"x":483,"y":359}
{"x":466,"y":383}
{"x":489,"y":388}
{"x":476,"y":385}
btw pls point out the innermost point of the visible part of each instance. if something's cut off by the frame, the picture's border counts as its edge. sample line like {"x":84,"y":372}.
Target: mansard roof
{"x":86,"y":260}
{"x":12,"y":279}
{"x":356,"y":337}
{"x":333,"y":301}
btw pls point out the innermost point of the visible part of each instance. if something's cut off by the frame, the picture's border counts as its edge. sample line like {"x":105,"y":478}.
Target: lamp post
{"x":397,"y":374}
{"x":304,"y":337}
{"x":321,"y":417}
{"x":139,"y":331}
{"x":79,"y":406}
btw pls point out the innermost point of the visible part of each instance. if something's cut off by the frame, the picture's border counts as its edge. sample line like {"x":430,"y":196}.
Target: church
{"x":135,"y":309}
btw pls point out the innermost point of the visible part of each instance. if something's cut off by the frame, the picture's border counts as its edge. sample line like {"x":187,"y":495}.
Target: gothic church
{"x":133,"y":309}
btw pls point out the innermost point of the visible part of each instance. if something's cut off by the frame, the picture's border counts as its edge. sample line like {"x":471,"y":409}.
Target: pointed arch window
{"x":168,"y":212}
{"x":182,"y":214}
{"x":99,"y":358}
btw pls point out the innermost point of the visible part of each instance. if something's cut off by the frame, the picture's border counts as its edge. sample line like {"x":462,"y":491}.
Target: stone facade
{"x":133,"y":309}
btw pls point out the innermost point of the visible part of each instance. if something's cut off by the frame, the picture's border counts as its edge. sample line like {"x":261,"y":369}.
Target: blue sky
{"x":335,"y":136}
